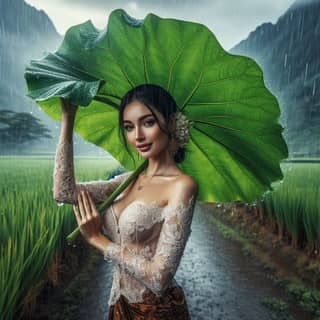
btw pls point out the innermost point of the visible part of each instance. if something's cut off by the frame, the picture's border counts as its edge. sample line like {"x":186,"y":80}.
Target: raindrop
{"x":306,"y":71}
{"x":285,"y":60}
{"x":314,"y":87}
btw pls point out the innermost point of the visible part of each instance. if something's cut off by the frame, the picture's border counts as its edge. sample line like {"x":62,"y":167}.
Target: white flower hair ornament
{"x":182,"y":130}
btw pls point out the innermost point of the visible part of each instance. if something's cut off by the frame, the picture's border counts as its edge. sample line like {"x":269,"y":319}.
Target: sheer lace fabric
{"x":65,"y":190}
{"x":145,"y":255}
{"x":148,"y":240}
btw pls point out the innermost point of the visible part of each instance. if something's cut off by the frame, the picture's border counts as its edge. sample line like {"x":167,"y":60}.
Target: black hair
{"x":153,"y":97}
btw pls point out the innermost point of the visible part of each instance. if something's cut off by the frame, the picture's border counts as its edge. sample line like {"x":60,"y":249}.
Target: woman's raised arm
{"x":65,"y":189}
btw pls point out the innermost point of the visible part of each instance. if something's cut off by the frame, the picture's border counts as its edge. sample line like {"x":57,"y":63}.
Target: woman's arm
{"x":157,"y":272}
{"x":65,"y":189}
{"x":63,"y":176}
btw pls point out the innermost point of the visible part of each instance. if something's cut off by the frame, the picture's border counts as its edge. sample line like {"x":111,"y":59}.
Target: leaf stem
{"x":71,"y":237}
{"x":107,"y":101}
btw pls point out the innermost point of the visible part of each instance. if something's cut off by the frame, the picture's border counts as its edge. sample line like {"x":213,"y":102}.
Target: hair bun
{"x":179,"y":155}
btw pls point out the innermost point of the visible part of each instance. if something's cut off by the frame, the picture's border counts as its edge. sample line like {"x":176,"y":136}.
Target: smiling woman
{"x":147,"y":117}
{"x":220,"y":103}
{"x":145,"y":230}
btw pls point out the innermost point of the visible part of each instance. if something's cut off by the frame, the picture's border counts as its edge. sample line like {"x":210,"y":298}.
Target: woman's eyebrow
{"x":140,"y":118}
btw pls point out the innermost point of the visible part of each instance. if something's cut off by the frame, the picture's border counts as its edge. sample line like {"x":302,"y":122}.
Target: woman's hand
{"x":88,"y":218}
{"x":68,"y":107}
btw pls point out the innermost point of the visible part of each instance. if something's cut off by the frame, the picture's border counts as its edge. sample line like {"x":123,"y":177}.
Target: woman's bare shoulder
{"x":186,"y":183}
{"x":183,"y":189}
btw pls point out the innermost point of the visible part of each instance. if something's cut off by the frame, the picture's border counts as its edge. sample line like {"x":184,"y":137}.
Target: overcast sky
{"x":231,"y":21}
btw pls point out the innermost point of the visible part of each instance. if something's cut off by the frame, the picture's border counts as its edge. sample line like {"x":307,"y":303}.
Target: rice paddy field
{"x":294,"y":204}
{"x":33,"y":227}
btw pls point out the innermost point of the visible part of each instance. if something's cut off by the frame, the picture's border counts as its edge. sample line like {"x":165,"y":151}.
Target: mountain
{"x":288,"y":53}
{"x":28,"y":33}
{"x":25,"y":33}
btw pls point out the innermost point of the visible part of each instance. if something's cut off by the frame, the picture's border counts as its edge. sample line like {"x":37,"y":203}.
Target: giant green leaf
{"x":236,"y":142}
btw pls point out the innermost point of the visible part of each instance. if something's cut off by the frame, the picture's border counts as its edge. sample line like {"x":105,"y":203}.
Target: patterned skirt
{"x":171,"y":305}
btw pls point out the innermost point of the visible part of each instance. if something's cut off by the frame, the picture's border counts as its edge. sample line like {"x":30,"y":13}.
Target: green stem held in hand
{"x":71,"y":237}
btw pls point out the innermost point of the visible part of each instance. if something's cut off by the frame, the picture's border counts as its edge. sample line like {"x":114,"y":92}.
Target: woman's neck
{"x":163,"y":164}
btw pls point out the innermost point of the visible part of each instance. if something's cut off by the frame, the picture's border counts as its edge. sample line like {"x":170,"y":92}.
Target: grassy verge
{"x":307,"y":297}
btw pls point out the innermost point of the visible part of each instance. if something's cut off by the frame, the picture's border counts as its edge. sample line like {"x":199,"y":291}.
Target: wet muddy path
{"x":219,"y":281}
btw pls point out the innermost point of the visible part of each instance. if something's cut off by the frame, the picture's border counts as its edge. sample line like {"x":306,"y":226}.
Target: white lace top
{"x":147,"y":240}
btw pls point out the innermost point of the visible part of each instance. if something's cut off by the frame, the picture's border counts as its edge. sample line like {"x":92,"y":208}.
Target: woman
{"x":145,"y":230}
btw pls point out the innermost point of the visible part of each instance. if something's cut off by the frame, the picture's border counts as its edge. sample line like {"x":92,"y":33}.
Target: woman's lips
{"x":145,"y":148}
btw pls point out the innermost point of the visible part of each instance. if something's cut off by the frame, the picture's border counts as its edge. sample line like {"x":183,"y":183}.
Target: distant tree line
{"x":19,"y":128}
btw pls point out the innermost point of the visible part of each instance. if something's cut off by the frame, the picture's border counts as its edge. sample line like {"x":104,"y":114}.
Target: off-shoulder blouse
{"x":148,"y":240}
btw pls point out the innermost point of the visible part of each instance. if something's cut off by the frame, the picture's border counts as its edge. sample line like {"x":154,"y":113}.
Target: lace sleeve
{"x":65,"y":190}
{"x":157,"y":272}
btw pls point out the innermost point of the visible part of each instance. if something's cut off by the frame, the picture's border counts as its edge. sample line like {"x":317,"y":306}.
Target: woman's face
{"x":141,"y":128}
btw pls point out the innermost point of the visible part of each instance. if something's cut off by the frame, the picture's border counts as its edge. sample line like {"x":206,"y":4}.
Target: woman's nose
{"x":139,"y":134}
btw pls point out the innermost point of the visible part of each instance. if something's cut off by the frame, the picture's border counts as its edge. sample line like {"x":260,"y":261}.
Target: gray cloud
{"x":231,"y":21}
{"x":145,"y":3}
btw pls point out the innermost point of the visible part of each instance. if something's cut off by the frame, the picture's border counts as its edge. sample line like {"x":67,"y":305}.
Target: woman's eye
{"x":127,"y":128}
{"x":149,"y":122}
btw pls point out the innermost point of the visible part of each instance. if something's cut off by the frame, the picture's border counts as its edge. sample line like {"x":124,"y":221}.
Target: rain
{"x":281,"y":37}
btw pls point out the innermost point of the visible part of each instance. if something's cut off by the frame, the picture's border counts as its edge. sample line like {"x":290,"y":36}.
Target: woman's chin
{"x":145,"y":154}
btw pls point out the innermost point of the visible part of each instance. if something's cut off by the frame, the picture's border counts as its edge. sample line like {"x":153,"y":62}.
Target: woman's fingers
{"x":67,"y":106}
{"x":87,"y":216}
{"x":86,"y":204}
{"x":81,"y":206}
{"x":94,"y":211}
{"x":77,"y":214}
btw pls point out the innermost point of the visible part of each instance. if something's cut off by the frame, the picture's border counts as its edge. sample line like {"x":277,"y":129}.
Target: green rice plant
{"x":294,"y":201}
{"x":279,"y":208}
{"x":32,"y":227}
{"x":268,"y":206}
{"x":293,"y":214}
{"x":311,"y":218}
{"x":289,"y":209}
